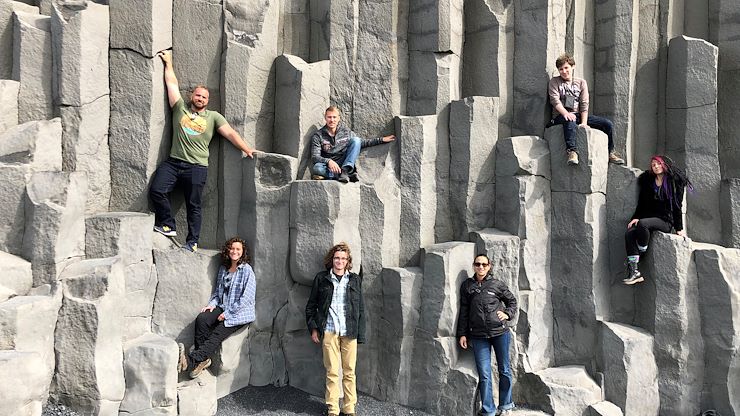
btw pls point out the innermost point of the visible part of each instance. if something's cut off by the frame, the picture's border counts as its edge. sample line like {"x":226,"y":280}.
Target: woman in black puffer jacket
{"x":485,"y":306}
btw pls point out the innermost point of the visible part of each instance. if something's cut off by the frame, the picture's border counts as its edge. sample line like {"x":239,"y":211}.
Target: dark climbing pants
{"x":639,"y":235}
{"x":209,"y":334}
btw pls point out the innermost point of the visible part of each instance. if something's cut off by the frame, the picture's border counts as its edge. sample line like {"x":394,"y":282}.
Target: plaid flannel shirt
{"x":238,"y":302}
{"x":336,"y":322}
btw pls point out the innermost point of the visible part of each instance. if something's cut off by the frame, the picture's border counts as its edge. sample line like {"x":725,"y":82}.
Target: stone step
{"x":566,"y":391}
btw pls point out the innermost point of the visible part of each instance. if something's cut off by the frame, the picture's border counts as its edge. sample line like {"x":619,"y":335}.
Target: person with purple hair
{"x":658,"y":208}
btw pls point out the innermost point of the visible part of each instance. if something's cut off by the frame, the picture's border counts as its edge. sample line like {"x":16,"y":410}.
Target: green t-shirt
{"x":192,"y":133}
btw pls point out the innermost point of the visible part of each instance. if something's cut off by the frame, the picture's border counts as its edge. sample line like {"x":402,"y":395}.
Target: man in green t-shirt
{"x":193,"y":127}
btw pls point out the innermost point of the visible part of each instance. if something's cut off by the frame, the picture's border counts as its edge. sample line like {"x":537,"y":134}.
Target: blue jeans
{"x":192,"y":179}
{"x":482,"y":351}
{"x":596,"y":122}
{"x":350,"y":156}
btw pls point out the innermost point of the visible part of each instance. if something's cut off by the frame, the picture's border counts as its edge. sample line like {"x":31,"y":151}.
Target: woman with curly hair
{"x":230,"y":307}
{"x":658,"y":208}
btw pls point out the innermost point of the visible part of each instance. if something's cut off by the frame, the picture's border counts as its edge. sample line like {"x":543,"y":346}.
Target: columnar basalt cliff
{"x":92,"y":302}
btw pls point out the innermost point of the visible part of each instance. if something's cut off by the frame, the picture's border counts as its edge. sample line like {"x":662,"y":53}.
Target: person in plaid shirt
{"x":335,"y":315}
{"x":230,"y":307}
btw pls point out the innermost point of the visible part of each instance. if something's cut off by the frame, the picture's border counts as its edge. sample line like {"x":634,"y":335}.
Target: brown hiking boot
{"x":614,"y":158}
{"x":572,"y":157}
{"x":200,"y":367}
{"x":182,"y":362}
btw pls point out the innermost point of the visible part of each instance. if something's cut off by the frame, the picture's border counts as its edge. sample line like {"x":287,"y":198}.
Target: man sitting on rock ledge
{"x":192,"y":129}
{"x":334,"y":149}
{"x":569,"y":99}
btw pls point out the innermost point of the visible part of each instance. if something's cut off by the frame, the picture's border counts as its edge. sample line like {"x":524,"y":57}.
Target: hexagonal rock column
{"x":473,"y":136}
{"x":666,"y":306}
{"x":247,"y":74}
{"x":13,"y":180}
{"x":579,"y":272}
{"x":7,"y":7}
{"x":565,"y":390}
{"x":55,"y":226}
{"x":539,"y":37}
{"x":488,"y":56}
{"x":303,"y":367}
{"x":24,"y":389}
{"x":138,"y":98}
{"x":621,"y":201}
{"x":604,"y":409}
{"x":9,"y":100}
{"x":150,"y":368}
{"x":719,"y":306}
{"x":302,"y":95}
{"x":89,"y":374}
{"x":425,"y":168}
{"x":630,"y":372}
{"x":433,"y":360}
{"x":17,"y":275}
{"x":198,"y":396}
{"x":36,"y":143}
{"x":399,"y":317}
{"x":32,"y":58}
{"x":323,"y":213}
{"x":126,"y":234}
{"x":232,"y":363}
{"x":691,"y":131}
{"x":189,"y":279}
{"x":616,"y":39}
{"x":730,"y":212}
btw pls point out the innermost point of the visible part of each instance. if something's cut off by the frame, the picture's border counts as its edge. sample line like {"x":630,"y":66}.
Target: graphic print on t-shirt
{"x":193,"y":126}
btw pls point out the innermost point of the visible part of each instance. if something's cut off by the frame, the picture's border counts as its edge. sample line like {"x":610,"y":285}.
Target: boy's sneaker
{"x":572,"y":157}
{"x":191,"y":247}
{"x":200,"y":367}
{"x":614,"y":158}
{"x":165,"y":230}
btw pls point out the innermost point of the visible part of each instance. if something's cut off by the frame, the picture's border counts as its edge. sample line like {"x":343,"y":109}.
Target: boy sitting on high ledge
{"x":334,"y":149}
{"x":569,"y":99}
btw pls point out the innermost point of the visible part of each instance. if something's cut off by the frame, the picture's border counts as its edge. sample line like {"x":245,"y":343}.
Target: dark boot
{"x":344,"y":176}
{"x":633,"y":274}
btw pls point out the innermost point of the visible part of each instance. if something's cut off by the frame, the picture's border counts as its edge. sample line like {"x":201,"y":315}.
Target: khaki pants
{"x":340,"y":351}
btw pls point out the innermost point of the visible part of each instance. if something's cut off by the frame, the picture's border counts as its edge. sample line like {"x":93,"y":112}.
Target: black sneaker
{"x":354,"y":177}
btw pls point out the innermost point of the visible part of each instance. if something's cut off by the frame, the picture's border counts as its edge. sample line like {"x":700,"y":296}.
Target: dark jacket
{"x":317,"y":307}
{"x":654,"y":202}
{"x":479,"y":302}
{"x":325,"y":147}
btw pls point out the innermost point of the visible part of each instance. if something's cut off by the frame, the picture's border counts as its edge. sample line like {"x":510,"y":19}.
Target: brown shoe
{"x":614,"y":158}
{"x":182,"y":362}
{"x":200,"y":367}
{"x":572,"y":157}
{"x":317,"y":177}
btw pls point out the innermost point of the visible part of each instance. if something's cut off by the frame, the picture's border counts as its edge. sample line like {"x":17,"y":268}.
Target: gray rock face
{"x":539,"y":38}
{"x":630,"y":373}
{"x":691,"y":132}
{"x":80,"y":47}
{"x":723,"y":24}
{"x":523,"y":155}
{"x":9,"y":100}
{"x":189,"y":278}
{"x":198,"y":396}
{"x":32,"y":66}
{"x":719,"y":304}
{"x":436,"y":26}
{"x":591,"y":173}
{"x":36,"y":143}
{"x":473,"y":134}
{"x":233,"y":363}
{"x":303,"y":358}
{"x":150,"y":369}
{"x":28,"y":397}
{"x":302,"y":91}
{"x":55,"y":226}
{"x":17,"y":275}
{"x":666,"y":306}
{"x":85,"y":148}
{"x":139,"y":134}
{"x":604,"y":409}
{"x":12,"y":206}
{"x":436,"y":84}
{"x":729,"y":212}
{"x":119,"y":234}
{"x":7,"y":7}
{"x":88,"y":339}
{"x":146,"y":28}
{"x":311,"y":235}
{"x":561,"y":390}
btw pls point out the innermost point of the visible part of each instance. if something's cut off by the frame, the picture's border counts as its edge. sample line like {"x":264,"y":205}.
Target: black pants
{"x":639,"y":235}
{"x":192,"y":179}
{"x":209,"y":334}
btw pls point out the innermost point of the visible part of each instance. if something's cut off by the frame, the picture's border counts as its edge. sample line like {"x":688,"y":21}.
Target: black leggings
{"x":209,"y":334}
{"x":639,"y":235}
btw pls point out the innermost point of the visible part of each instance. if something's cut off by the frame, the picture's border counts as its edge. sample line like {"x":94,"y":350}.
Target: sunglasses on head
{"x":476,"y":264}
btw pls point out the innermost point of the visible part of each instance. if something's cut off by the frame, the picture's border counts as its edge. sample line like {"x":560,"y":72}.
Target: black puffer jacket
{"x":654,"y":202}
{"x":319,"y":301}
{"x":479,"y":302}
